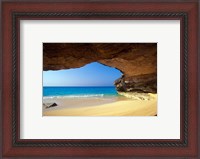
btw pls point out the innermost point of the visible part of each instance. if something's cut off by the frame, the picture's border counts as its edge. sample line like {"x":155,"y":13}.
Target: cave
{"x":136,"y":61}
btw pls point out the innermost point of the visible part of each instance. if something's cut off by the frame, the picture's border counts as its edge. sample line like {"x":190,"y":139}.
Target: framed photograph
{"x":100,"y":79}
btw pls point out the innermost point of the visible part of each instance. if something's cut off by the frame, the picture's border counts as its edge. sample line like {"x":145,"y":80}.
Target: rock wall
{"x":137,"y":61}
{"x":142,"y":83}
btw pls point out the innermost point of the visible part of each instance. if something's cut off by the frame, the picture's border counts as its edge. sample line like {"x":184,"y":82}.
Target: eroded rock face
{"x":137,"y":61}
{"x":141,"y":83}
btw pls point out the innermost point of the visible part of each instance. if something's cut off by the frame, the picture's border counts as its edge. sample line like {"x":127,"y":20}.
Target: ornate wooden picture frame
{"x":186,"y":12}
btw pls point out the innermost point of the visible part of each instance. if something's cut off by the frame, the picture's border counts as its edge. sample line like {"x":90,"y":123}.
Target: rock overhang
{"x":136,"y":61}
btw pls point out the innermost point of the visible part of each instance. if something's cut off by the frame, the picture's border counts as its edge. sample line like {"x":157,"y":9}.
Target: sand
{"x":120,"y":107}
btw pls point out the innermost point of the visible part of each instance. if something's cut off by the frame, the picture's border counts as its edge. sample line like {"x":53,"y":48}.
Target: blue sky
{"x":93,"y":74}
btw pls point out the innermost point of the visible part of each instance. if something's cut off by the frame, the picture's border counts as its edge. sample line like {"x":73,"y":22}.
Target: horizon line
{"x":80,"y":86}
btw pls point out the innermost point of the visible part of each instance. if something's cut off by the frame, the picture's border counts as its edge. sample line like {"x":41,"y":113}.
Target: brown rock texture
{"x":141,"y":83}
{"x":137,"y":61}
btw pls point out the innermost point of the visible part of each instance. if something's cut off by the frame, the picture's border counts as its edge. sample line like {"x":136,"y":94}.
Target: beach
{"x":99,"y":79}
{"x":101,"y":106}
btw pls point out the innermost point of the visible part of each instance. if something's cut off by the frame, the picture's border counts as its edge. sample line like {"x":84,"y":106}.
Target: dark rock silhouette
{"x":49,"y":105}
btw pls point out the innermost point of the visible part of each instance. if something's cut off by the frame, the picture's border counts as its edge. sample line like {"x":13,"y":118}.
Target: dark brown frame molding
{"x":186,"y":11}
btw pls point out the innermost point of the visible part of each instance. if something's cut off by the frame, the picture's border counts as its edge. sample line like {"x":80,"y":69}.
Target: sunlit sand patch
{"x":126,"y":107}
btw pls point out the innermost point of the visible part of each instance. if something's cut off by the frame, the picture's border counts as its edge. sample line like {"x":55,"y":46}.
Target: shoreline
{"x":103,"y":106}
{"x":67,"y":102}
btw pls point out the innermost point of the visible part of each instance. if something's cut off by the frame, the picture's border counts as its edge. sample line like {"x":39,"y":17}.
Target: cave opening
{"x":92,"y":74}
{"x":93,"y":79}
{"x":136,"y":61}
{"x":100,"y":75}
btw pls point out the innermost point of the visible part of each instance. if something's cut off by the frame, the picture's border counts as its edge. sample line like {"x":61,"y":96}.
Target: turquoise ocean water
{"x":81,"y":92}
